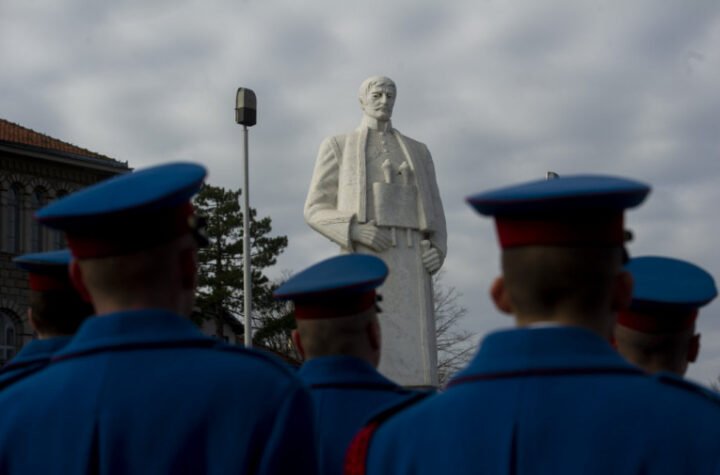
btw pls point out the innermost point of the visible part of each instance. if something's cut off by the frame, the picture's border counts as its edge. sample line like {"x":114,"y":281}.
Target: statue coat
{"x":338,"y":198}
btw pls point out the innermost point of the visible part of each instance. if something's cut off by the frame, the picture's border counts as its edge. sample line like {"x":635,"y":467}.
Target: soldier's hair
{"x":336,"y":336}
{"x":122,"y":279}
{"x":58,"y":312}
{"x":372,"y":82}
{"x":543,"y":281}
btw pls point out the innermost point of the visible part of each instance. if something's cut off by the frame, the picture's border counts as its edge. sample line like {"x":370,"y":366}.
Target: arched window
{"x":37,"y":232}
{"x":14,"y":218}
{"x":8,"y":333}
{"x":58,"y":237}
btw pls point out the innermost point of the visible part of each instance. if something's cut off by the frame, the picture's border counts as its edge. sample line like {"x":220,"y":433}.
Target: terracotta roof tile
{"x":11,"y":132}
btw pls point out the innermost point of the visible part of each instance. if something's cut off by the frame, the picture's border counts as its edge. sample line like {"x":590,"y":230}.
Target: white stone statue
{"x":374,"y":191}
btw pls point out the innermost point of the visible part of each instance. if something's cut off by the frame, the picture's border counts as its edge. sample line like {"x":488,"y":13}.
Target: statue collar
{"x":373,"y":124}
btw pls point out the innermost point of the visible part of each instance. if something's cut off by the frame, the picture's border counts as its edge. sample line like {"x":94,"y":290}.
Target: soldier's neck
{"x":601,"y":324}
{"x":375,"y":124}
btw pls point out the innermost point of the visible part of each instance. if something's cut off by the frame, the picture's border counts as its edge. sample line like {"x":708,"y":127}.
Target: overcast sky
{"x":500,"y":91}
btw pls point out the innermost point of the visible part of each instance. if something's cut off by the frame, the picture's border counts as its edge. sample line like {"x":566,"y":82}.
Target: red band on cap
{"x":657,"y":323}
{"x":334,"y":308}
{"x":584,"y":230}
{"x":43,"y":282}
{"x":142,"y":232}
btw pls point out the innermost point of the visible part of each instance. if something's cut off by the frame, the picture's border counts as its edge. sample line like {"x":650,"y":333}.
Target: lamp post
{"x":246,"y":115}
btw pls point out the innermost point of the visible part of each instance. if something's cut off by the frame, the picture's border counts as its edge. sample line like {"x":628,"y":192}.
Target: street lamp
{"x":246,"y":115}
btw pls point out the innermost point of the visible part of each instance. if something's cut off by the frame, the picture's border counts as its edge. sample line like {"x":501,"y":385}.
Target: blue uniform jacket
{"x":551,"y":401}
{"x":346,"y":392}
{"x":144,"y":392}
{"x":33,"y":357}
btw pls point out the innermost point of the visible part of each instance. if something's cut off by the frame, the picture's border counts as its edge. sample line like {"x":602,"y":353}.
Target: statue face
{"x":379,"y":102}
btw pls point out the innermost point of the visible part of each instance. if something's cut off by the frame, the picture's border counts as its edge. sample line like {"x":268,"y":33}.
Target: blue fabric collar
{"x":328,"y":370}
{"x":552,"y":348}
{"x":137,"y":327}
{"x":38,"y":350}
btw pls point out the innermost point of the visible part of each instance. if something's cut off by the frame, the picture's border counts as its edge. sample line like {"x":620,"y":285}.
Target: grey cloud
{"x":500,"y":93}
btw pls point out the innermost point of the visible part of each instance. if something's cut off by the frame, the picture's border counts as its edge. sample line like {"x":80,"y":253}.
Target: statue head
{"x":377,"y":97}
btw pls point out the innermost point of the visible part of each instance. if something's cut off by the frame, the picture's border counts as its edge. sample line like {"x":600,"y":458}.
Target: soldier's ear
{"x":694,"y":348}
{"x":31,"y":320}
{"x":373,"y":333}
{"x":622,"y":291}
{"x":500,"y":295}
{"x":297,"y":342}
{"x":77,"y":280}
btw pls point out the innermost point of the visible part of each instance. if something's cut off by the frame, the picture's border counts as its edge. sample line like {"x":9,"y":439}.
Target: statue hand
{"x":431,"y":257}
{"x":369,"y":235}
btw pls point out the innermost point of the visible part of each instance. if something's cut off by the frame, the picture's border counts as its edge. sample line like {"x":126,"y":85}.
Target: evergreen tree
{"x":221,"y":280}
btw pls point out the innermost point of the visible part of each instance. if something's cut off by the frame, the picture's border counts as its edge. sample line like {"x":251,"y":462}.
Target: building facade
{"x":34,"y":170}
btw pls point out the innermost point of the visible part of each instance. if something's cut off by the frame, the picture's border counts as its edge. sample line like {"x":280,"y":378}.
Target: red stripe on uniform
{"x":356,"y":456}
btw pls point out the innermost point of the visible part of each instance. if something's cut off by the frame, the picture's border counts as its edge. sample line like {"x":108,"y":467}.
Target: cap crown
{"x":339,"y":276}
{"x":128,"y":213}
{"x":575,"y":193}
{"x":122,"y":198}
{"x":667,"y":283}
{"x":575,"y":210}
{"x":46,"y":270}
{"x":44,"y":262}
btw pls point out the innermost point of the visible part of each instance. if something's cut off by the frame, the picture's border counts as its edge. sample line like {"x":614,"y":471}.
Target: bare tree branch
{"x":455,"y":345}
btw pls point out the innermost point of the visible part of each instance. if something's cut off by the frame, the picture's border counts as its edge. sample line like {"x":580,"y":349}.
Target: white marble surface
{"x":374,"y":191}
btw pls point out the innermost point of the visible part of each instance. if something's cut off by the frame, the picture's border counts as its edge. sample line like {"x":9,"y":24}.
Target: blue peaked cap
{"x":46,"y":270}
{"x":566,"y":193}
{"x":339,"y":276}
{"x":667,"y":283}
{"x":566,"y":211}
{"x":124,"y":196}
{"x":128,"y":212}
{"x":44,"y":262}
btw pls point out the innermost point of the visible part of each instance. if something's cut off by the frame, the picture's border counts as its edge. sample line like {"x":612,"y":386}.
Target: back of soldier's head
{"x":657,"y":331}
{"x":335,"y":306}
{"x":124,"y":277}
{"x":655,"y":352}
{"x":58,"y":312}
{"x":562,"y":244}
{"x":346,"y":335}
{"x":56,"y":308}
{"x":545,"y":280}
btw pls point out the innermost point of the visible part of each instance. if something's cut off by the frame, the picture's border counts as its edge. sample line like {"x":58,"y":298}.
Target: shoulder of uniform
{"x":414,"y":397}
{"x":412,"y":392}
{"x":671,"y":379}
{"x":28,"y":365}
{"x":356,"y":455}
{"x":416,"y":394}
{"x":12,"y":375}
{"x":259,"y":356}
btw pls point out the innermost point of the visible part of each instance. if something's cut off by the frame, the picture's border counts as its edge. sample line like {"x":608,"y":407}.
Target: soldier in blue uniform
{"x":56,"y":311}
{"x":338,"y":335}
{"x":657,"y":332}
{"x":139,"y":389}
{"x":552,"y":396}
